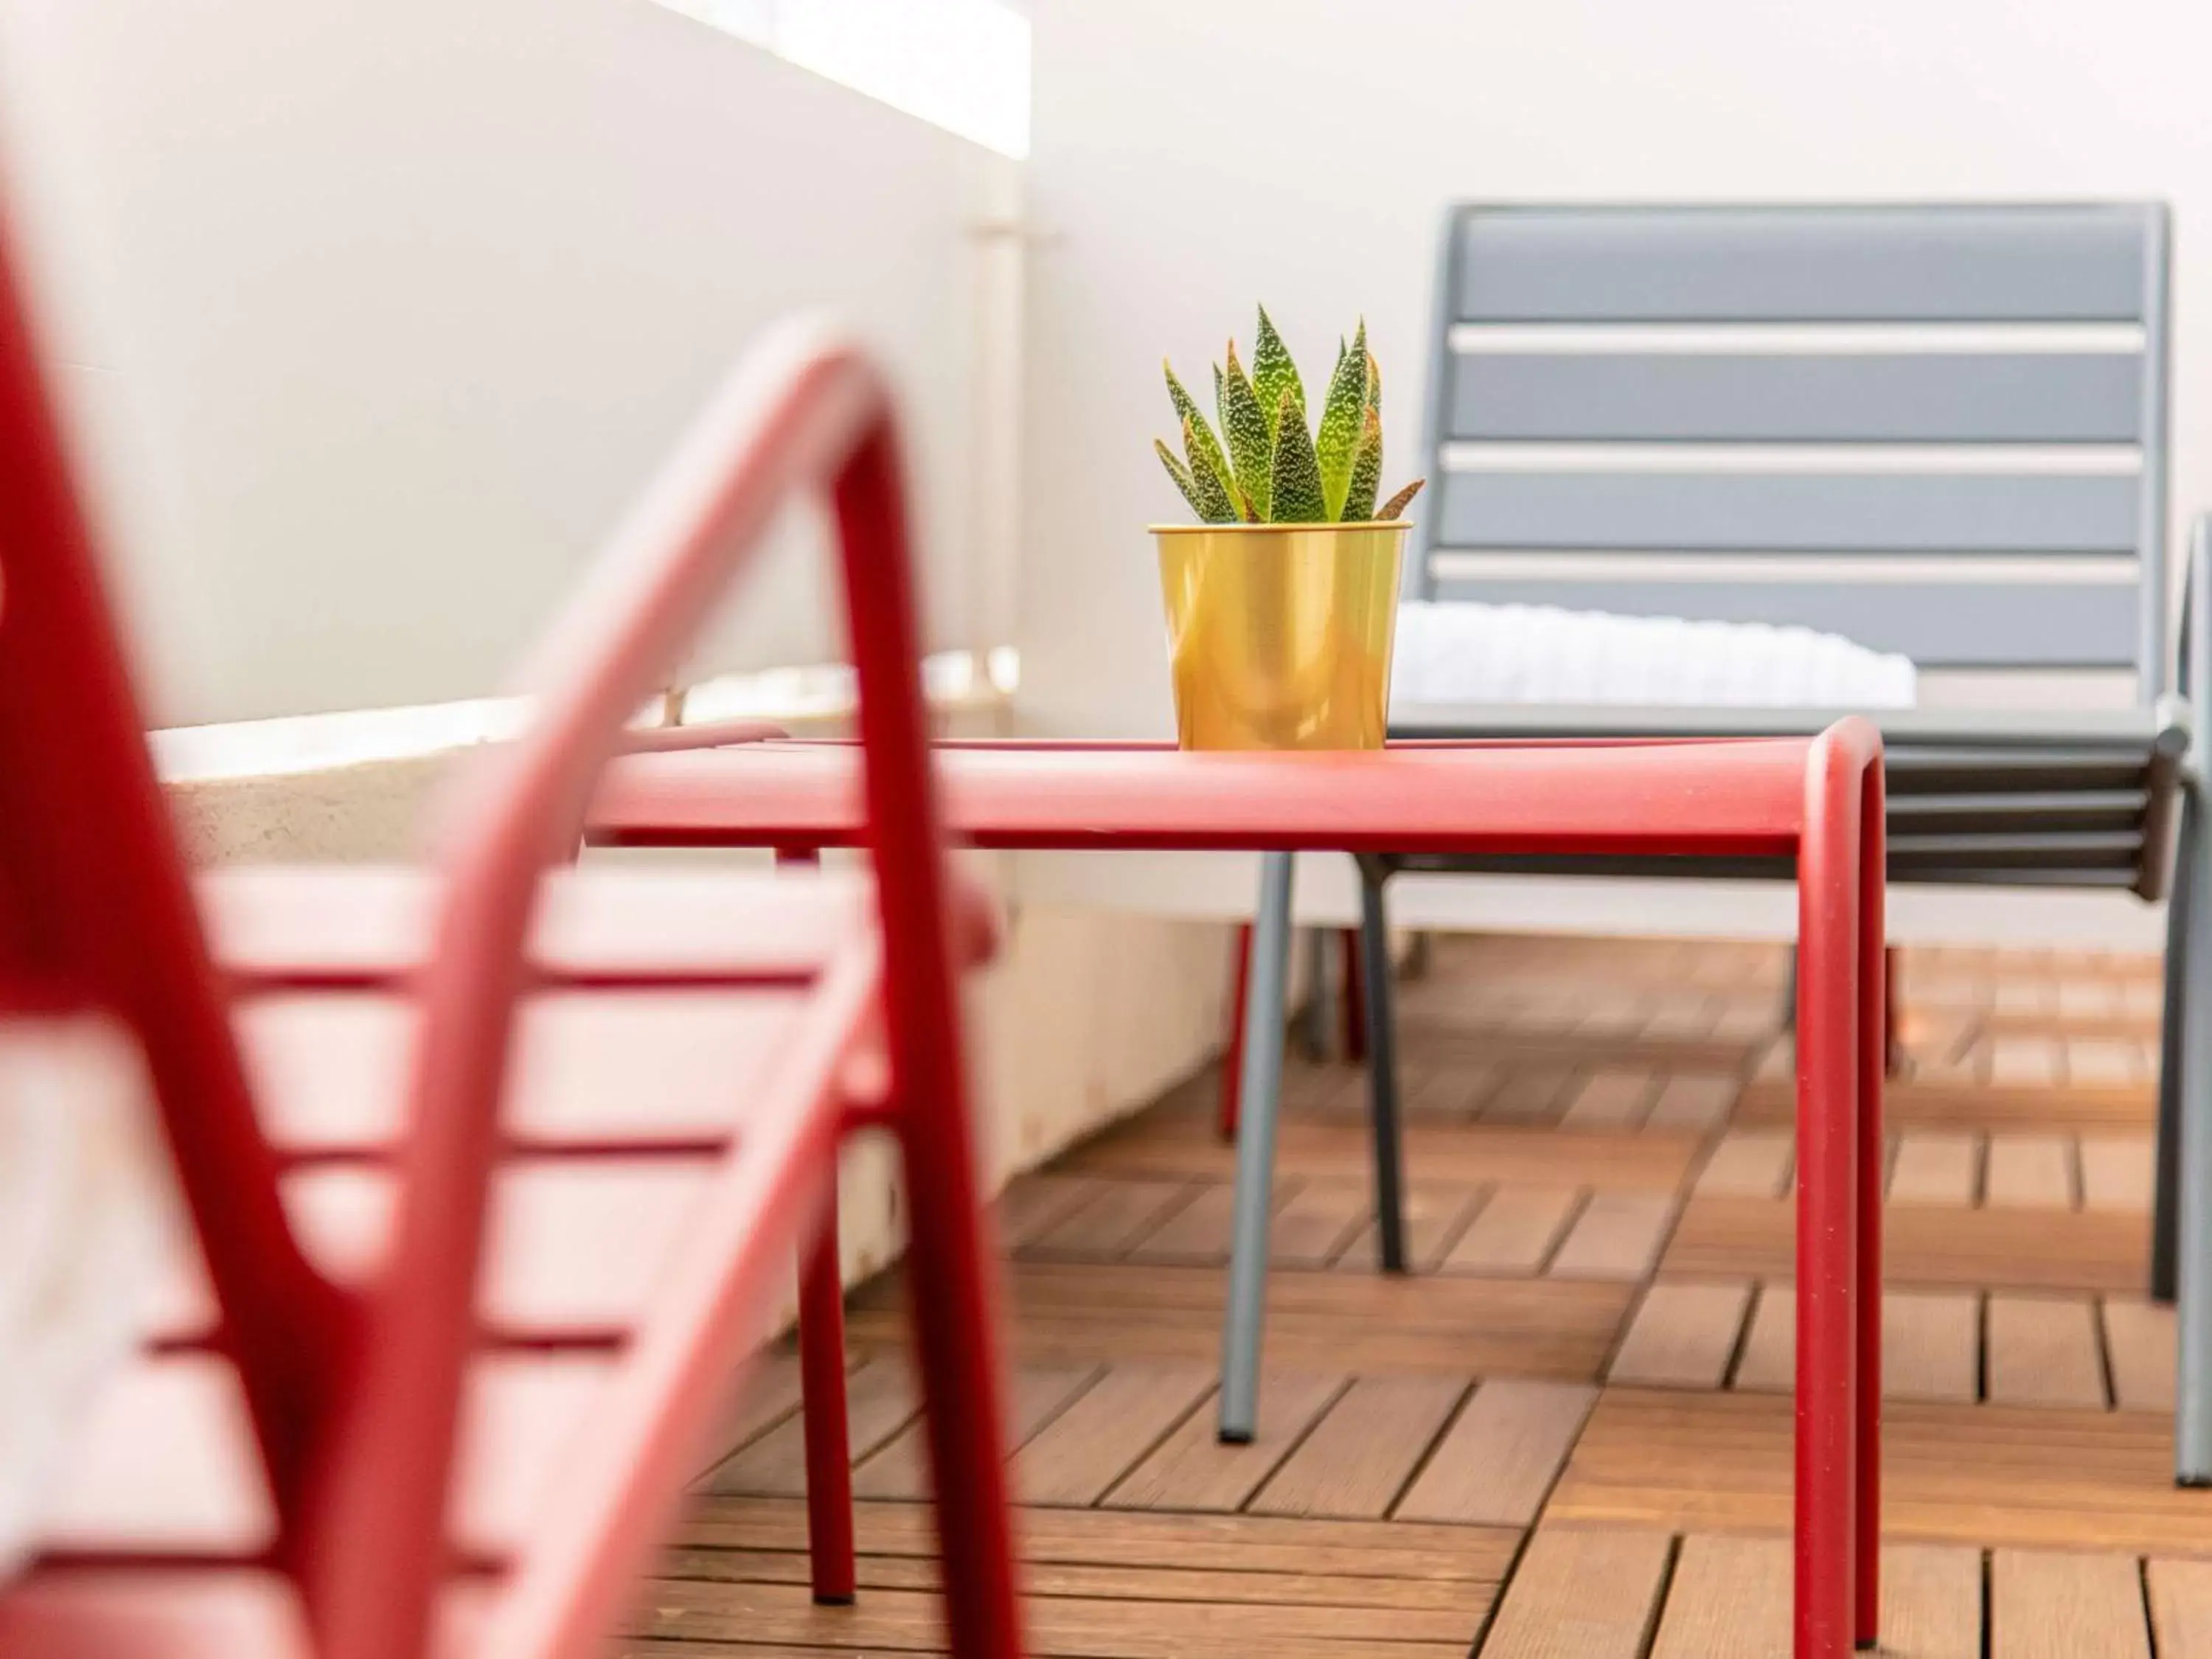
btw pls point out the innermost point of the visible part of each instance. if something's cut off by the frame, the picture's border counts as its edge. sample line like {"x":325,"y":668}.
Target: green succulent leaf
{"x":1244,"y":423}
{"x":1252,"y":514}
{"x":1274,"y":373}
{"x":1209,"y":488}
{"x":1295,"y":483}
{"x":1366,"y":472}
{"x":1181,"y":474}
{"x":1374,"y":383}
{"x":1395,"y":506}
{"x":1342,"y":418}
{"x":1199,"y":446}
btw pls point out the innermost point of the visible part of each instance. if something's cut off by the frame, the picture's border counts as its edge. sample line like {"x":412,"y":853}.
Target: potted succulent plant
{"x":1280,"y":601}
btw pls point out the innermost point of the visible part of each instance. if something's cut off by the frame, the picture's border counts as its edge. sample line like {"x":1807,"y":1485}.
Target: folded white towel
{"x":1457,"y":652}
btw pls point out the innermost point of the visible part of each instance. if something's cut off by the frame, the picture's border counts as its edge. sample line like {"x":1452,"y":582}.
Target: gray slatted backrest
{"x":1940,"y":430}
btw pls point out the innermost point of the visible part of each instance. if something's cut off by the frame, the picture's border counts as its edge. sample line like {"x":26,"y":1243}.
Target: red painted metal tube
{"x":1877,"y":990}
{"x":1355,"y":996}
{"x":1722,"y":798}
{"x":949,"y":1255}
{"x":822,"y":1386}
{"x":1831,"y":1045}
{"x":828,"y":1427}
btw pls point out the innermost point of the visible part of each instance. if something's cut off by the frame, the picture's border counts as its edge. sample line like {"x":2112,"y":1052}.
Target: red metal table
{"x":1817,"y":800}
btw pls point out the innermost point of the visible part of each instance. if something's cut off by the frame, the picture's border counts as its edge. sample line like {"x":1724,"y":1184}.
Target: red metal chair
{"x":422,"y":1388}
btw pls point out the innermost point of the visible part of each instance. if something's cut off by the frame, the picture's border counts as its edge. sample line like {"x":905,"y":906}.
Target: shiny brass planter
{"x":1281,"y":633}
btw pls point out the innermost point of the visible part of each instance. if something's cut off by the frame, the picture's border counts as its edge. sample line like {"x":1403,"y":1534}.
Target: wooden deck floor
{"x":1568,"y":1436}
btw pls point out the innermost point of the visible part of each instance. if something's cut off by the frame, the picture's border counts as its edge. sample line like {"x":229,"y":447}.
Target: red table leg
{"x":822,"y":1386}
{"x":1877,"y":989}
{"x":822,"y":1391}
{"x":950,"y":1258}
{"x":1830,"y":1045}
{"x":1232,"y":1053}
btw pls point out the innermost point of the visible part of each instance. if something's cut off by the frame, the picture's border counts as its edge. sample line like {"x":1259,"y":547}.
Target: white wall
{"x":377,"y":313}
{"x":1188,"y":159}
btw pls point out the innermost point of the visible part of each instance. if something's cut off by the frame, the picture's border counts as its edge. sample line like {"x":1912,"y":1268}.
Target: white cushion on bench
{"x":1456,"y":653}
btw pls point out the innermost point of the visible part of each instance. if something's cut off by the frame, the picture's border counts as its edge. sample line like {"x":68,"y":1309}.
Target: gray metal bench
{"x":1938,"y":430}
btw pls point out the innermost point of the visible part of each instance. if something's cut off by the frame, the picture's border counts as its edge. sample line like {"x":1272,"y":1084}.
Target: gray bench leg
{"x":2193,"y":1428}
{"x":1382,"y":1069}
{"x":2165,"y":1210}
{"x":1259,"y":1092}
{"x":1313,"y":1018}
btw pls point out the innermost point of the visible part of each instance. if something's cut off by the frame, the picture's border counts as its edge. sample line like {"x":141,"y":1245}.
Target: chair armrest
{"x":806,"y":411}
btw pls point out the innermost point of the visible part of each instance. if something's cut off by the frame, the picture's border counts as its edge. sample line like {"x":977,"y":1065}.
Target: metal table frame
{"x":1817,"y":801}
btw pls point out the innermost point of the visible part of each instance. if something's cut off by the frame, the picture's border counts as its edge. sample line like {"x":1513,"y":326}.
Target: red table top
{"x":1711,"y":797}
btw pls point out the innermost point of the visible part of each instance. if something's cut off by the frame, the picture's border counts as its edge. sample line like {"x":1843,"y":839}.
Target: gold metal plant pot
{"x":1280,"y":634}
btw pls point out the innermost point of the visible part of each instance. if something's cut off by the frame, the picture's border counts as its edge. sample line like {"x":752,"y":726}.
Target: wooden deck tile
{"x":1195,"y":1235}
{"x":1192,"y":1470}
{"x":880,"y":1398}
{"x":1317,"y":1222}
{"x":1476,"y":1557}
{"x":2045,"y":1605}
{"x":2116,"y":1172}
{"x":2027,"y":1062}
{"x":1531,"y":1094}
{"x":1769,"y":1357}
{"x":1676,"y":1016}
{"x":1449,"y":1323}
{"x":2085,"y":998}
{"x":770,"y":1395}
{"x":1116,"y":1215}
{"x":1120,"y":1628}
{"x":1935,"y":1167}
{"x":1501,"y":1454}
{"x":1580,"y":1593}
{"x":2034,"y":1478}
{"x":2107,"y":1061}
{"x":1927,"y":1245}
{"x":1682,"y":1336}
{"x":1515,"y":1231}
{"x":1748,"y":1163}
{"x":2042,"y":1350}
{"x":1616,"y":1236}
{"x":1107,"y":1430}
{"x":1930,"y":1344}
{"x":1449,"y":1088}
{"x":2139,"y":1347}
{"x":1036,"y":1395}
{"x":1355,"y":1459}
{"x":1463,"y":1401}
{"x":1931,"y":1602}
{"x":1695,"y":1101}
{"x":1435,"y":1217}
{"x":1947,"y":1102}
{"x":2030,"y":1171}
{"x":1730,"y":1600}
{"x":2181,"y":1607}
{"x":1610,"y":1098}
{"x":1162,"y":1580}
{"x":1034,"y":1203}
{"x":1451,"y":1154}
